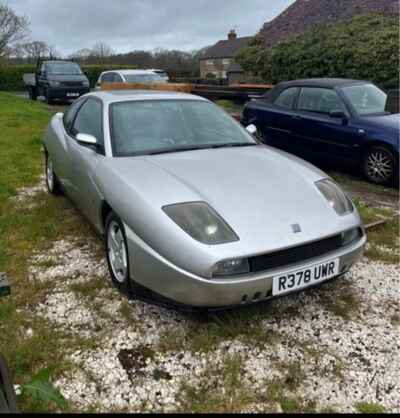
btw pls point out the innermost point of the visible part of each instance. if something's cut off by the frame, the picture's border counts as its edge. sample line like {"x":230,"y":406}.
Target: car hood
{"x":260,"y":192}
{"x":391,"y":122}
{"x":67,"y":77}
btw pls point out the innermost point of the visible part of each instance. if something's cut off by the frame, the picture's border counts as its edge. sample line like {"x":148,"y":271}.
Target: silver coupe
{"x":192,"y":207}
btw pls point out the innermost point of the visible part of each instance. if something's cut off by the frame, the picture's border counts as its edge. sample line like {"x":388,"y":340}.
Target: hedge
{"x":11,"y":76}
{"x":365,"y":48}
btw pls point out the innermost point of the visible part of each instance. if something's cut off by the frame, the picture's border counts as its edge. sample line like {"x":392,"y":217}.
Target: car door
{"x":42,"y":79}
{"x":84,"y":159}
{"x":276,"y":119}
{"x":59,"y":150}
{"x":323,"y":126}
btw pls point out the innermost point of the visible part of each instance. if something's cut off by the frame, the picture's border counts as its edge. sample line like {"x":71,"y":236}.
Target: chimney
{"x":232,"y":35}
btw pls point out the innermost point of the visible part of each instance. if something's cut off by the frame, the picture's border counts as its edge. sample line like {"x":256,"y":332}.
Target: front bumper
{"x":154,"y":272}
{"x":68,"y":93}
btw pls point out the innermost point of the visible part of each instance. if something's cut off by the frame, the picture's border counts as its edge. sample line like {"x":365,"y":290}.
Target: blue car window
{"x":287,"y":98}
{"x":320,"y":100}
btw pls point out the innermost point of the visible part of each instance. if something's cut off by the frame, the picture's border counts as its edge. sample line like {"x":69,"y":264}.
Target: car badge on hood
{"x":296,"y":228}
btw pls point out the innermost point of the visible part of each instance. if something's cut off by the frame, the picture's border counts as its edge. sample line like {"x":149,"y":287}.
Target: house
{"x":297,"y":19}
{"x":218,"y":60}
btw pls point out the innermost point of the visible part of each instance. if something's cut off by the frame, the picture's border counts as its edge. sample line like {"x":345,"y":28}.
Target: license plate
{"x":301,"y":279}
{"x":72,"y":94}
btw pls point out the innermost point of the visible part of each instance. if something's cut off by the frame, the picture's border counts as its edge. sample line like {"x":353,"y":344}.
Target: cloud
{"x":143,"y":24}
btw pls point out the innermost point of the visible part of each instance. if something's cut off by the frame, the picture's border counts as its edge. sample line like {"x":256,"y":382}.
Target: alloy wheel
{"x":117,"y":252}
{"x":380,"y":166}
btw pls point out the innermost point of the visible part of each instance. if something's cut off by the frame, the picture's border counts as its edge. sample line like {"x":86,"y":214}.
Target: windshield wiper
{"x":235,"y":145}
{"x":201,"y":147}
{"x":183,"y":149}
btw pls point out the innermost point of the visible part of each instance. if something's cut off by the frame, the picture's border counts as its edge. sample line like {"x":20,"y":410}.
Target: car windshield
{"x":366,"y":99}
{"x":165,"y":126}
{"x":65,"y":68}
{"x":143,"y":78}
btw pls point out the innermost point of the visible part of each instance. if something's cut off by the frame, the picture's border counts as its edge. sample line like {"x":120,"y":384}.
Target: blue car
{"x":342,"y":121}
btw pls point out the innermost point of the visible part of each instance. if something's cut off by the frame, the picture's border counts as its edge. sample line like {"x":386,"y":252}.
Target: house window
{"x":226,"y":61}
{"x":224,"y":74}
{"x":210,"y":63}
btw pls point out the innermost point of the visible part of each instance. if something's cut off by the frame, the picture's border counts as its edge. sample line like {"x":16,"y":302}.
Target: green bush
{"x":11,"y":76}
{"x":366,"y":47}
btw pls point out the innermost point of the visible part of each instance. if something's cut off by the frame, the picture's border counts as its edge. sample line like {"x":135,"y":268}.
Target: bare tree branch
{"x":13,"y":28}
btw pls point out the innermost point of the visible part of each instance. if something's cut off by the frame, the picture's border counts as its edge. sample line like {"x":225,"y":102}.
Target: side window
{"x":108,"y":78}
{"x":90,"y":120}
{"x":287,"y":98}
{"x":70,"y":114}
{"x":320,"y":100}
{"x":117,"y":78}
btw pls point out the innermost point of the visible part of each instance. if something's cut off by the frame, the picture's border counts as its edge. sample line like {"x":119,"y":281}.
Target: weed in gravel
{"x":369,"y":408}
{"x":276,"y":393}
{"x":211,"y":395}
{"x":395,"y":320}
{"x":89,"y":289}
{"x":243,"y":325}
{"x":345,"y":304}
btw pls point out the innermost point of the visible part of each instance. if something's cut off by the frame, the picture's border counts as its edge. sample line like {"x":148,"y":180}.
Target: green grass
{"x":23,"y":231}
{"x":22,"y":126}
{"x":370,"y":408}
{"x":230,"y":106}
{"x":206,"y":333}
{"x":386,"y":235}
{"x":219,"y":391}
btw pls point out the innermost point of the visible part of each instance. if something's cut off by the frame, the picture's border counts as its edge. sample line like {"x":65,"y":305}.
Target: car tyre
{"x":52,"y":182}
{"x":380,"y":165}
{"x":32,"y":93}
{"x":48,"y":97}
{"x":117,"y":253}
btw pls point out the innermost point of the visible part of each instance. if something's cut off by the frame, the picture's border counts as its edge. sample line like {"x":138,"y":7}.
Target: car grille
{"x":295,"y":255}
{"x":72,"y":83}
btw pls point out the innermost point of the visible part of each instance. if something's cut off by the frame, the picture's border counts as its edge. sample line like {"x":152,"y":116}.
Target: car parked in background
{"x":176,"y":187}
{"x":333,"y":119}
{"x":132,"y":76}
{"x":57,"y":80}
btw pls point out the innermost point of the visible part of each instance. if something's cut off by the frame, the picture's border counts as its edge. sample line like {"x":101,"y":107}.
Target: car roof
{"x":322,"y":82}
{"x":130,"y":72}
{"x":113,"y":96}
{"x":59,"y":62}
{"x":329,"y":83}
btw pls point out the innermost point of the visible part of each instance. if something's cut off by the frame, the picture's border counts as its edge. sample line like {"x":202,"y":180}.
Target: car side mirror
{"x":252,"y":129}
{"x":338,"y":114}
{"x":88,"y":140}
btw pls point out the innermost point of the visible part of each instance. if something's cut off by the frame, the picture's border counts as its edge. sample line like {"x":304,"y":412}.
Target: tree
{"x":13,"y":28}
{"x":36,"y":50}
{"x":53,"y":52}
{"x":102,"y":50}
{"x":365,"y":47}
{"x":82,"y":55}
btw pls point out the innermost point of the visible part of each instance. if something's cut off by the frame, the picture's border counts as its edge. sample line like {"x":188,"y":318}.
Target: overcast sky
{"x":127,"y":25}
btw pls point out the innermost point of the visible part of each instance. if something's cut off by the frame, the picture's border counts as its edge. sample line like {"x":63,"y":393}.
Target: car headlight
{"x":86,"y":83}
{"x":201,"y":222}
{"x":231,"y":267}
{"x":351,"y":236}
{"x":336,"y":197}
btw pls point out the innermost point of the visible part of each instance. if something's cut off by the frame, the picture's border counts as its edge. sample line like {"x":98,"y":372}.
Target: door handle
{"x":297,"y":117}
